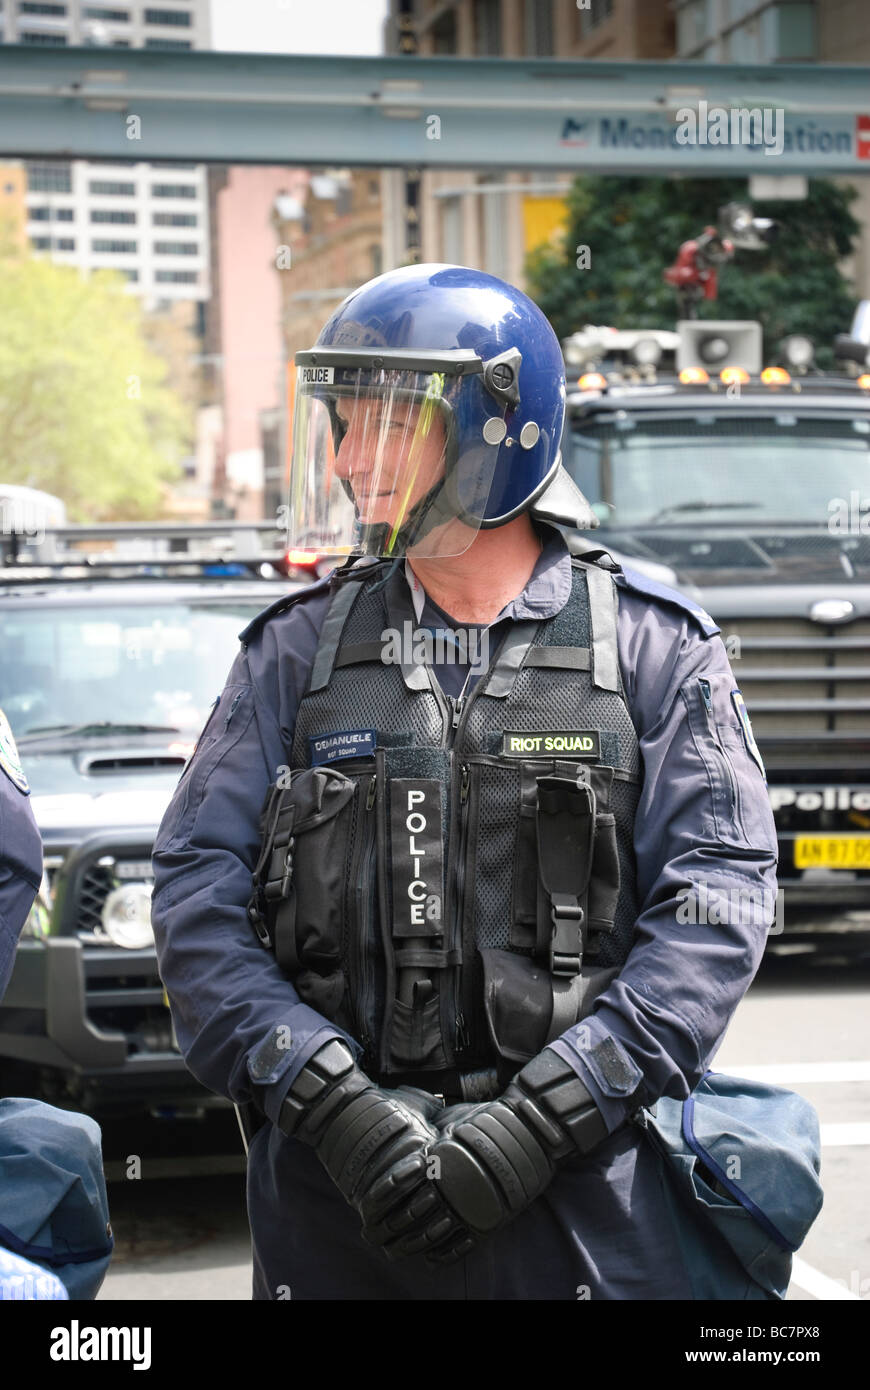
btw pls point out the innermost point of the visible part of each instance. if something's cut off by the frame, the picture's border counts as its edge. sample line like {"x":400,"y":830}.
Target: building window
{"x":175,"y":219}
{"x":114,"y":248}
{"x":45,"y":40}
{"x":598,"y":12}
{"x":176,"y":277}
{"x":176,"y":248}
{"x":51,"y":11}
{"x":486,"y":19}
{"x":168,"y":43}
{"x":444,"y":33}
{"x":121,"y":43}
{"x":49,"y":178}
{"x":105,"y":215}
{"x":103,"y":12}
{"x":130,"y":273}
{"x":693,"y":26}
{"x":376,"y":260}
{"x":64,"y":215}
{"x":39,"y":214}
{"x":538,"y":28}
{"x":789,"y":34}
{"x":180,"y":18}
{"x":65,"y":243}
{"x":112,"y":188}
{"x":41,"y":243}
{"x":173,"y":190}
{"x":169,"y":164}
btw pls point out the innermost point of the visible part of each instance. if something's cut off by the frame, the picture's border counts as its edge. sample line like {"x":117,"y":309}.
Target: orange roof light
{"x":730,"y":375}
{"x":864,"y":381}
{"x":694,"y":376}
{"x":775,"y":376}
{"x":302,"y":557}
{"x":592,"y":381}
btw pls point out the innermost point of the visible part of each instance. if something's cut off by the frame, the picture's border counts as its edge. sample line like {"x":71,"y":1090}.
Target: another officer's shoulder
{"x":643,"y":585}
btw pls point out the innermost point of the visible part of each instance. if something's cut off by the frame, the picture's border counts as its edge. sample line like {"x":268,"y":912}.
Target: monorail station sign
{"x":415,"y":112}
{"x":731,"y":136}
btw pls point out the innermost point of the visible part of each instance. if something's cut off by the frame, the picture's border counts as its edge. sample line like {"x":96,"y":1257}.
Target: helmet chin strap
{"x":432,"y":510}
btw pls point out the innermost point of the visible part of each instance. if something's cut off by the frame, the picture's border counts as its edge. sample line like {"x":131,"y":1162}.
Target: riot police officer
{"x":464,"y":966}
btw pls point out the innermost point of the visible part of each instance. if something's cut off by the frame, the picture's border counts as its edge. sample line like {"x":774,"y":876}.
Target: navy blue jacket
{"x":703,"y":818}
{"x":20,"y":852}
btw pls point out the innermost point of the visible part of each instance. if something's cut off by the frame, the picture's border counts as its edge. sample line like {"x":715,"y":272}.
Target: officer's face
{"x":391,"y":458}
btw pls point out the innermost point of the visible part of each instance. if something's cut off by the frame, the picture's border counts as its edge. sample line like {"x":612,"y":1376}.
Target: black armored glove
{"x":359,"y":1131}
{"x":490,"y":1162}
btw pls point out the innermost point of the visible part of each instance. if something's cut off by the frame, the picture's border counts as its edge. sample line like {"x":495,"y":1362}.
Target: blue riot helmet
{"x":430,"y":408}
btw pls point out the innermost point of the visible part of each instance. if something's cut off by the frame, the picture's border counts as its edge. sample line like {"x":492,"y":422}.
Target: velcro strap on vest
{"x":565,"y":821}
{"x":330,"y":634}
{"x":559,"y":658}
{"x":602,"y":615}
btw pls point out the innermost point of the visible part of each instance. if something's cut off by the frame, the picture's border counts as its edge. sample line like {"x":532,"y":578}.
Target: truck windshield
{"x":715,"y":467}
{"x":137,"y":664}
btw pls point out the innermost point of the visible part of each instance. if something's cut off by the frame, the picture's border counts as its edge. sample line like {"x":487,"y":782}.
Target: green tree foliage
{"x":85,"y":409}
{"x":634,"y":228}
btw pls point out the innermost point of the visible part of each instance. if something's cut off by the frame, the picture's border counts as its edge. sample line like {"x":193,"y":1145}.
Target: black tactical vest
{"x":453,"y":882}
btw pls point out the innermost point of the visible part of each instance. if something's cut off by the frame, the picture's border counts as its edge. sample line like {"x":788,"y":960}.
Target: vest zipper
{"x":233,"y":707}
{"x":462,"y":977}
{"x":364,"y":889}
{"x":461,"y":1038}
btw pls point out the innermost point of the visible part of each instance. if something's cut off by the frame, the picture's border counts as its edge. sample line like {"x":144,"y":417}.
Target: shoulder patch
{"x":9,"y":759}
{"x":642,"y":584}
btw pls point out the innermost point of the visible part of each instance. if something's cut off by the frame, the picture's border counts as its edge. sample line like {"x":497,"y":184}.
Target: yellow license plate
{"x":832,"y":852}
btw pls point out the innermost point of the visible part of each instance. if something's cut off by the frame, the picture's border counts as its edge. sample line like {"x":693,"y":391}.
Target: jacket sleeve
{"x":705,"y":846}
{"x":241,"y":1026}
{"x":20,"y":868}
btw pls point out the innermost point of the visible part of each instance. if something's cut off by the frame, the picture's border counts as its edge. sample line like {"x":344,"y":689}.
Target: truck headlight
{"x":127,"y":916}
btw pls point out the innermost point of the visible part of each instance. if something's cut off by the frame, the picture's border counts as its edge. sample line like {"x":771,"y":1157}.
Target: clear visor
{"x":381,"y":463}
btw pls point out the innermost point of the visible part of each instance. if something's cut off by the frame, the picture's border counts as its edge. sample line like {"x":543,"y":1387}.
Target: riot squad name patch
{"x":585,"y":743}
{"x":345,"y":743}
{"x":417,"y":856}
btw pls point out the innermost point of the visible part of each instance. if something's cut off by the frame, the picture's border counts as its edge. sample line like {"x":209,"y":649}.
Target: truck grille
{"x":807,"y":689}
{"x":801,"y":678}
{"x":123,"y":990}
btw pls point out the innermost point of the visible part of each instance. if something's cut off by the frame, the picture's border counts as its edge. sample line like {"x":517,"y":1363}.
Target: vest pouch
{"x":604,"y":882}
{"x":322,"y":799}
{"x":518,"y":1002}
{"x":305,"y":880}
